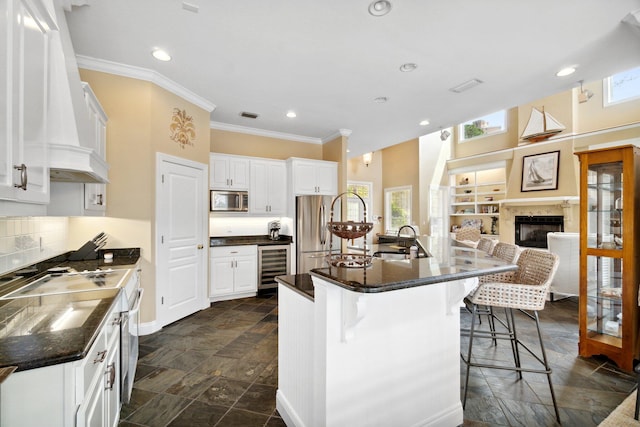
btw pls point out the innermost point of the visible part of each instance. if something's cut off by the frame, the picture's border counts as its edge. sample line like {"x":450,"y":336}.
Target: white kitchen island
{"x":378,"y":346}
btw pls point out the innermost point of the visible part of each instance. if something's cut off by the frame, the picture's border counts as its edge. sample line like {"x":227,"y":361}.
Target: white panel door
{"x":181,"y":209}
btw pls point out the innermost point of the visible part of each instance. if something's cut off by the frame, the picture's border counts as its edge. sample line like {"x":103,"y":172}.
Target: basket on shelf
{"x":349,"y":230}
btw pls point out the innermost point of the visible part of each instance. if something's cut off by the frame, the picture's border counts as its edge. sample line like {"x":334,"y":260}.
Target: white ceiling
{"x":328,"y":60}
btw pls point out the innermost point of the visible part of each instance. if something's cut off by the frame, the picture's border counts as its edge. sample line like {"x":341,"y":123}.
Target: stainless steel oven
{"x":130,"y":319}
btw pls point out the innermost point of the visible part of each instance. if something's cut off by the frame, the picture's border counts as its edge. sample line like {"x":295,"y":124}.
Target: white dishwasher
{"x":273,"y":260}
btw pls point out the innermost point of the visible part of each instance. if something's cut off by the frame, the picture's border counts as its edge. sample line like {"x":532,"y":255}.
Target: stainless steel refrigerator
{"x":312,"y":237}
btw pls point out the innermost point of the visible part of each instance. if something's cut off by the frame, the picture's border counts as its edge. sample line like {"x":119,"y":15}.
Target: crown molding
{"x":145,"y":74}
{"x":267,"y":133}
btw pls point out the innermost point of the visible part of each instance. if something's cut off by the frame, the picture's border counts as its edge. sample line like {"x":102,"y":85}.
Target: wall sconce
{"x":366,"y":158}
{"x":444,"y":134}
{"x":584,"y":95}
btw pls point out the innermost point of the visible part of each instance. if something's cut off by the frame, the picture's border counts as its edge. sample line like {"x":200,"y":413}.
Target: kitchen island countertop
{"x":388,"y":275}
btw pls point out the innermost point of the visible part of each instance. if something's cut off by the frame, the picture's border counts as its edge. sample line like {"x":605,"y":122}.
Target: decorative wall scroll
{"x":183,"y":131}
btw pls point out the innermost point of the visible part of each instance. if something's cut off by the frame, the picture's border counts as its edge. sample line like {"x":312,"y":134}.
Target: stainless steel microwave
{"x":229,"y":201}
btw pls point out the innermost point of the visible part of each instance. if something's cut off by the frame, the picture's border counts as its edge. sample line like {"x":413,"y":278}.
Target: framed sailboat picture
{"x":540,"y":171}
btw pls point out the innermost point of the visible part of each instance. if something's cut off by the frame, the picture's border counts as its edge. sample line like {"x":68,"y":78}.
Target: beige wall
{"x":401,"y":164}
{"x":357,"y":171}
{"x":336,"y":151}
{"x":139,"y":117}
{"x":592,"y":115}
{"x":226,"y":142}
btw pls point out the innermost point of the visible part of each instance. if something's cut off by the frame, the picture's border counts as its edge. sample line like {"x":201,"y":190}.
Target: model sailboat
{"x":541,"y":125}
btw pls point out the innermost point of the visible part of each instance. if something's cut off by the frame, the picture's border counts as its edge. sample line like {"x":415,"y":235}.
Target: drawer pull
{"x":100,"y":357}
{"x":111,"y":379}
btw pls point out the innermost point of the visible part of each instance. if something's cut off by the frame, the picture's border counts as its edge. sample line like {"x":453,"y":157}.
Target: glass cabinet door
{"x":604,"y":217}
{"x":604,"y":296}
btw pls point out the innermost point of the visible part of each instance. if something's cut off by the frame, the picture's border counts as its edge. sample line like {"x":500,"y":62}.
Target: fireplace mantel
{"x":540,"y":201}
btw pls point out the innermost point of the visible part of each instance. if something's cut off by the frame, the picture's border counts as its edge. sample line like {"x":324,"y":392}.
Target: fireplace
{"x":531,"y":231}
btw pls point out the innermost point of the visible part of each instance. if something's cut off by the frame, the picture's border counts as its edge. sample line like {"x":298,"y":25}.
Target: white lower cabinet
{"x":81,"y":393}
{"x":233,"y":272}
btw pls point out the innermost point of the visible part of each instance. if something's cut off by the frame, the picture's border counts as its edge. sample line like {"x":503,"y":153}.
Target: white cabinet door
{"x":219,"y":173}
{"x":304,"y":178}
{"x":228,"y":172}
{"x":239,"y":174}
{"x":277,"y":188}
{"x":259,"y":196}
{"x":268,"y":189}
{"x":327,"y":178}
{"x":221,"y":275}
{"x":24,"y":173}
{"x":246,"y":274}
{"x":112,"y":385}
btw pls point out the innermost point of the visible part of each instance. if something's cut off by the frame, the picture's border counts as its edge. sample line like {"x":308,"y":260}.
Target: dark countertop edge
{"x":294,"y":281}
{"x":393,"y":286}
{"x":260,"y":240}
{"x":79,"y":354}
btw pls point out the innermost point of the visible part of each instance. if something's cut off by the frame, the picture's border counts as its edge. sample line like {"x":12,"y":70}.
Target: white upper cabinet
{"x":268,"y":191}
{"x":228,"y":172}
{"x":24,"y":57}
{"x":314,"y":177}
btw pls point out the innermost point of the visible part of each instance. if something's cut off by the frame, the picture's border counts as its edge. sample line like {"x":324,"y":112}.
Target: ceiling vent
{"x":466,"y":85}
{"x":249,"y":115}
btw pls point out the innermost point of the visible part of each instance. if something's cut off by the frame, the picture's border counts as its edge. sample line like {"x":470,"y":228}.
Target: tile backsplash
{"x":26,"y":240}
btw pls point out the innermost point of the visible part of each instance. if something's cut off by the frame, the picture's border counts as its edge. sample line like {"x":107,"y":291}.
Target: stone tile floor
{"x":218,"y":367}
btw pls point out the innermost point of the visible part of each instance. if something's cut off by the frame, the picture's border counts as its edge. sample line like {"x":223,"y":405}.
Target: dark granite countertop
{"x":28,"y":344}
{"x":300,"y":283}
{"x":248,"y":240}
{"x":389,"y":275}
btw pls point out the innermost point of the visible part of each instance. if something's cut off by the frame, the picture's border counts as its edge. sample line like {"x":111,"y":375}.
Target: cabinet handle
{"x":231,"y":181}
{"x":116,"y":320}
{"x":99,"y":201}
{"x":111,"y":379}
{"x":233,"y":252}
{"x":100,"y":357}
{"x":227,"y":181}
{"x":23,"y":176}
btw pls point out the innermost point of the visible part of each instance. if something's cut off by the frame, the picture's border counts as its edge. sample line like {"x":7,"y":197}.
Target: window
{"x":490,"y":124}
{"x":622,"y":87}
{"x":355,"y":209}
{"x":397,"y":208}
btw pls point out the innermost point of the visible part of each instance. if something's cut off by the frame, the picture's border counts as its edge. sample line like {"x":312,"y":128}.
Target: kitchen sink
{"x":395,"y":255}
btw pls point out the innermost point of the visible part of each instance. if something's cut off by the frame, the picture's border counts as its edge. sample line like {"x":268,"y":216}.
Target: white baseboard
{"x":149,"y":327}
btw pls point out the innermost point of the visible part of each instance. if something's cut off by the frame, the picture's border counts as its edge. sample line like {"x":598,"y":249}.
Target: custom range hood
{"x":75,"y":154}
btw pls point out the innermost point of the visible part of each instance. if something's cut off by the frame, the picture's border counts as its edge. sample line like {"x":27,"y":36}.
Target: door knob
{"x":200,"y":246}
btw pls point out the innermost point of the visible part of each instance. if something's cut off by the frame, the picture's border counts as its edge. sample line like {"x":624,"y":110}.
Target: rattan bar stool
{"x":525,"y":290}
{"x":507,"y":252}
{"x":468,"y":234}
{"x":486,"y":244}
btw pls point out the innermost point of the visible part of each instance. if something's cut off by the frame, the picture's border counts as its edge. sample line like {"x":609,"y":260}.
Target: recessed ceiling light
{"x":566,"y":71}
{"x":161,"y":55}
{"x":424,"y":123}
{"x":381,"y":99}
{"x":380,"y":7}
{"x":408,"y":67}
{"x":291,"y":114}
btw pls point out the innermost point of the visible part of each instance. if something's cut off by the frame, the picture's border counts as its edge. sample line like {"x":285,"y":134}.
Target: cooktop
{"x":58,"y":282}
